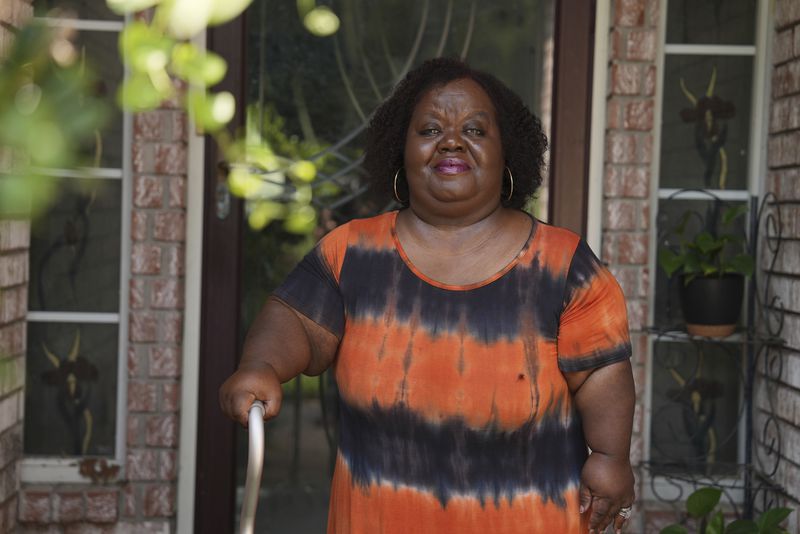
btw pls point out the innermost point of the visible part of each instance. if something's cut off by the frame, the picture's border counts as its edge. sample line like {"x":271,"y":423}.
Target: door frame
{"x":215,"y":465}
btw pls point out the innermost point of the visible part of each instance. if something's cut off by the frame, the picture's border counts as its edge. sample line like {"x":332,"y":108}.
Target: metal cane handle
{"x":255,"y":465}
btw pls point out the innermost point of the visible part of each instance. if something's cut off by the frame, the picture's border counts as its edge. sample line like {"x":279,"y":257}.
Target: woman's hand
{"x":252,"y":381}
{"x":606,"y":487}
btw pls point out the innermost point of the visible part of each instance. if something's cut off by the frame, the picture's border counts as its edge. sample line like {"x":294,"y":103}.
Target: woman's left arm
{"x":605,"y":399}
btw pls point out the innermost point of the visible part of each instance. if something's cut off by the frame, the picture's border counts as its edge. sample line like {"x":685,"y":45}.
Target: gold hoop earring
{"x":511,"y":192}
{"x":396,"y":196}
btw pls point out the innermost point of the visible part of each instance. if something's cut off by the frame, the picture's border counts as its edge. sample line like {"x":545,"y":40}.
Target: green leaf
{"x":707,"y":243}
{"x":708,"y":269}
{"x":144,"y":48}
{"x":742,"y":526}
{"x":265,"y":212}
{"x":716,"y":525}
{"x":669,"y":261}
{"x":772,"y":518}
{"x":199,"y":68}
{"x":211,"y":112}
{"x":702,"y":502}
{"x":138,"y":93}
{"x":674,"y":529}
{"x":123,"y":7}
{"x":732,"y":213}
{"x":301,"y":220}
{"x":743,"y":263}
{"x":321,"y":21}
{"x":303,"y":171}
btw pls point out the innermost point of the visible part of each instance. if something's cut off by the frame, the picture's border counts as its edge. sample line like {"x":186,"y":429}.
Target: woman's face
{"x":453,"y":154}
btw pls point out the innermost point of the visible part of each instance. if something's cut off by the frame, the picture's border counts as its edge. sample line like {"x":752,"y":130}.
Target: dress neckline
{"x":460,"y":287}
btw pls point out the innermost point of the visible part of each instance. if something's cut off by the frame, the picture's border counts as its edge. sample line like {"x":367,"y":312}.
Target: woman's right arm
{"x":280,"y":345}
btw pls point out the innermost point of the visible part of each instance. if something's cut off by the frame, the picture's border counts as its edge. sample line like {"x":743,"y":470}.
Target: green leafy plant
{"x":707,"y":254}
{"x":701,"y":506}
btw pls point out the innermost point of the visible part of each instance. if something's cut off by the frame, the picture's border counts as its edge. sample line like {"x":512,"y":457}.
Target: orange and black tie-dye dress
{"x":455,"y":416}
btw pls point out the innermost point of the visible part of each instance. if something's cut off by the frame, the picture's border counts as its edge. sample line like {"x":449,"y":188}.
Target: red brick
{"x":148,"y":192}
{"x":159,"y":500}
{"x":617,"y":42}
{"x":164,"y":362}
{"x":620,"y":215}
{"x":13,"y":269}
{"x":139,"y":225}
{"x":609,"y":248}
{"x":170,"y":226}
{"x":626,"y":181}
{"x":637,"y":314}
{"x":129,"y":500}
{"x":787,"y":12}
{"x":649,"y":85}
{"x":177,"y":192}
{"x":620,"y":148}
{"x":172,"y":328}
{"x":629,"y":12}
{"x":786,"y":79}
{"x":171,"y":397}
{"x":142,"y":157}
{"x":68,"y":507}
{"x":13,"y":338}
{"x":626,"y":79}
{"x":149,"y":125}
{"x":14,"y":235}
{"x":142,"y":464}
{"x":170,"y":158}
{"x":644,"y":219}
{"x":8,"y":515}
{"x":652,"y":9}
{"x":142,"y":396}
{"x":137,"y":292}
{"x":614,"y":109}
{"x":145,"y":259}
{"x":168,"y":466}
{"x":162,"y":431}
{"x":796,"y":43}
{"x":641,"y":45}
{"x":13,"y":304}
{"x":638,"y":115}
{"x":782,"y":46}
{"x":90,"y":528}
{"x":134,"y":430}
{"x":175,"y":260}
{"x":645,"y":145}
{"x":134,"y":362}
{"x":632,"y":248}
{"x":628,"y":279}
{"x":179,"y":130}
{"x":102,"y":506}
{"x":35,"y":507}
{"x":166,"y":294}
{"x":783,"y":149}
{"x":143,"y":327}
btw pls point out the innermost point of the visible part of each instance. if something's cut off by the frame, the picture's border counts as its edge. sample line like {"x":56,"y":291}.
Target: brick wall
{"x":627,"y":180}
{"x":14,"y":244}
{"x":778,"y":392}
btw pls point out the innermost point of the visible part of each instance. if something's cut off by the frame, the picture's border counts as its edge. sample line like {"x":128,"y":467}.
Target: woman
{"x":477,"y":350}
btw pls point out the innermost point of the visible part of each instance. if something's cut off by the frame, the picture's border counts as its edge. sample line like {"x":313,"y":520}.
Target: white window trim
{"x":41,"y":469}
{"x":757,"y":148}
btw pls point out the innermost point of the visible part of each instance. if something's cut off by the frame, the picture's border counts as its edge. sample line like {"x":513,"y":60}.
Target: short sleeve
{"x":312,"y":288}
{"x":593,"y":327}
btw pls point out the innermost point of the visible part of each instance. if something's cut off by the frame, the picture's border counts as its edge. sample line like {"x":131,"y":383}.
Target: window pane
{"x":75,"y":249}
{"x":71,"y":389}
{"x":730,"y":22}
{"x":83,"y":9}
{"x":705,"y":138}
{"x":696,"y":401}
{"x":668,"y":312}
{"x":100,"y":50}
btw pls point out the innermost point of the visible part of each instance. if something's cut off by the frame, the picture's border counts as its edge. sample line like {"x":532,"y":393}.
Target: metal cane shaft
{"x":255,"y":465}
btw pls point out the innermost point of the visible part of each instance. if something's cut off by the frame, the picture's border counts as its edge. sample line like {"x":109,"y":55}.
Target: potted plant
{"x":711,"y":267}
{"x":700,"y":508}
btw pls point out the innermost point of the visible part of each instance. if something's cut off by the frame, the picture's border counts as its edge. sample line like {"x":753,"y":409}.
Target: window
{"x":709,"y":154}
{"x":77,"y":299}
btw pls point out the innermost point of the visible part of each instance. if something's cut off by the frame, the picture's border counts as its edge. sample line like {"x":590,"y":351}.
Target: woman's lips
{"x":451,"y":166}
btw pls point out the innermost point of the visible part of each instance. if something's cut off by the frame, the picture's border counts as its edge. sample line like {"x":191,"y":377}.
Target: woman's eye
{"x":474,"y":131}
{"x":429,"y":131}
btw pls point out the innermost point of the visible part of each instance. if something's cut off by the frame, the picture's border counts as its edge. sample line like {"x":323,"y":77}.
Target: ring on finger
{"x":625,"y":512}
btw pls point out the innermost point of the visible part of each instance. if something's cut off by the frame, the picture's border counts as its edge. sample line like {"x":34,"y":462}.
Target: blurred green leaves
{"x":48,"y":109}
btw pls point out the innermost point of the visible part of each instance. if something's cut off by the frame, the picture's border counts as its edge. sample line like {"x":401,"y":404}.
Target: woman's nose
{"x":451,"y":142}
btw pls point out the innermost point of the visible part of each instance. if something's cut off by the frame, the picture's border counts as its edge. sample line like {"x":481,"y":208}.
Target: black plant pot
{"x":711,"y":305}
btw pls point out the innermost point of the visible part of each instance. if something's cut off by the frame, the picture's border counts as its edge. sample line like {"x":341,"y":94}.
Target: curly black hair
{"x":524,"y":142}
